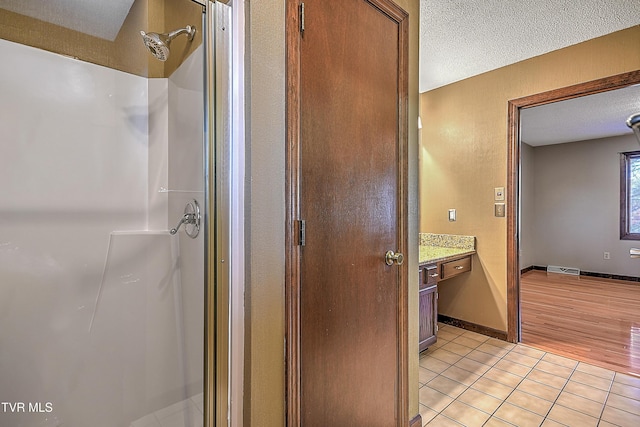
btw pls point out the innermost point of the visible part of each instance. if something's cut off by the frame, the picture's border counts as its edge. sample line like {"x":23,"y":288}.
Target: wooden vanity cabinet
{"x":428,"y":302}
{"x":429,"y":275}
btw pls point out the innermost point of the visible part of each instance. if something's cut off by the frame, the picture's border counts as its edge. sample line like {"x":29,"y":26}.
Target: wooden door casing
{"x":347,"y":179}
{"x":513,"y":176}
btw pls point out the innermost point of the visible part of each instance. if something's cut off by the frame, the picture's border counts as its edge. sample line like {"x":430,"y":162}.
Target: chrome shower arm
{"x":188,"y":30}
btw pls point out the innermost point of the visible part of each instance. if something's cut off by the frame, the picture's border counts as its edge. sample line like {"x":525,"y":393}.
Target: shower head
{"x":158,"y":44}
{"x":634,"y":123}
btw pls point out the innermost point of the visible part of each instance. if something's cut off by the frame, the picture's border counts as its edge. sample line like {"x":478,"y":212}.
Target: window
{"x":630,"y":196}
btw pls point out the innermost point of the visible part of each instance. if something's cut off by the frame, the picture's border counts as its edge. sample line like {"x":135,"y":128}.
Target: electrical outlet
{"x":607,"y":255}
{"x":452,"y":214}
{"x":498,"y":209}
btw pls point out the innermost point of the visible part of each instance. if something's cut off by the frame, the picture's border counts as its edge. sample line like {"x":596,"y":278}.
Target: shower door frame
{"x":224,"y":174}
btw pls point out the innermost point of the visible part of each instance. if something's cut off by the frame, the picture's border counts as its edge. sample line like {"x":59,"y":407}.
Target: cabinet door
{"x":428,"y":316}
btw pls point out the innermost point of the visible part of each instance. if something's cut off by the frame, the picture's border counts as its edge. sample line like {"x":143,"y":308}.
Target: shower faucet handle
{"x":186,"y":219}
{"x":191,"y":220}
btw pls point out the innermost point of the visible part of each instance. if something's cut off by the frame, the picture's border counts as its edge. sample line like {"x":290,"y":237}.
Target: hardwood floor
{"x":586,"y":318}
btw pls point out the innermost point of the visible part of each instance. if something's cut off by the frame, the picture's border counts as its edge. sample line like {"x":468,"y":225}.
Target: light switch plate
{"x":499,"y":209}
{"x":452,"y":214}
{"x":499,"y":193}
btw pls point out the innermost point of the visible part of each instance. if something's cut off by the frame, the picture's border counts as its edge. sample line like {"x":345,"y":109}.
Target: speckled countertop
{"x":442,"y":247}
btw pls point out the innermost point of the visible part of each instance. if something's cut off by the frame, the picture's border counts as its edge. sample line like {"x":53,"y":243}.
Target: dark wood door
{"x":352,"y":197}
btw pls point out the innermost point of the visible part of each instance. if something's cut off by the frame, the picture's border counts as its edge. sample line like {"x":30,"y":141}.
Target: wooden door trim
{"x":292,"y":209}
{"x":402,"y":18}
{"x":292,"y":214}
{"x":513,"y":176}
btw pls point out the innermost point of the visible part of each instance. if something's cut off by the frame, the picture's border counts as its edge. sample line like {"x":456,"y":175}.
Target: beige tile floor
{"x":468,"y":379}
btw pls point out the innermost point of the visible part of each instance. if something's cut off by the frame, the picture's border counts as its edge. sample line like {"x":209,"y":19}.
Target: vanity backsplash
{"x":448,"y":241}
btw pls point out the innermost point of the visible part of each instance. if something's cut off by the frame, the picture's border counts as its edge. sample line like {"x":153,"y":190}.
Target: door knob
{"x":390,"y":257}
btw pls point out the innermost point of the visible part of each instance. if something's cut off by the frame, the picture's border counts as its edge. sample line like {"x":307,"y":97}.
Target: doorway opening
{"x":515,"y":190}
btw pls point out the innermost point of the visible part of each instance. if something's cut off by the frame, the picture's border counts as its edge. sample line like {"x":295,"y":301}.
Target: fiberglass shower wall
{"x":101,"y":310}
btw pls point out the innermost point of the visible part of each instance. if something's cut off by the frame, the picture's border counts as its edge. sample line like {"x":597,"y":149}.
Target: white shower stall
{"x":102,"y":310}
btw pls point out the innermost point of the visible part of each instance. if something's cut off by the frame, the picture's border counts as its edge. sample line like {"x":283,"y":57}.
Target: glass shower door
{"x":102,"y":309}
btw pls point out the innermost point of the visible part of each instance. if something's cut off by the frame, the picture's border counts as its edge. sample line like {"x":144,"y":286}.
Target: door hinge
{"x":302,"y":231}
{"x":301,"y":8}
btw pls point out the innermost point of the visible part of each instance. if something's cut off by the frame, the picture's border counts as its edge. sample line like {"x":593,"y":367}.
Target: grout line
{"x":555,"y":401}
{"x":502,"y":357}
{"x":514,"y":389}
{"x":606,"y":399}
{"x":450,"y":419}
{"x":480,"y":377}
{"x":625,"y":397}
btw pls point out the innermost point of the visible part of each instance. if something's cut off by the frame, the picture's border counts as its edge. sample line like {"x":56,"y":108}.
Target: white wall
{"x":527,"y":205}
{"x":577,"y":206}
{"x":93,"y":321}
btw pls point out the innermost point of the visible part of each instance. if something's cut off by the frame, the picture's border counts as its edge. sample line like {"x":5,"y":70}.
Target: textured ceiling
{"x":463,"y":38}
{"x":99,"y":18}
{"x":589,"y":117}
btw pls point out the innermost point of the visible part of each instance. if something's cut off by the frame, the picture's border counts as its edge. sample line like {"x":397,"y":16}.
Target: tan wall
{"x":127,"y":52}
{"x":264,"y":292}
{"x":264,"y":374}
{"x":178,"y":14}
{"x":463,"y":156}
